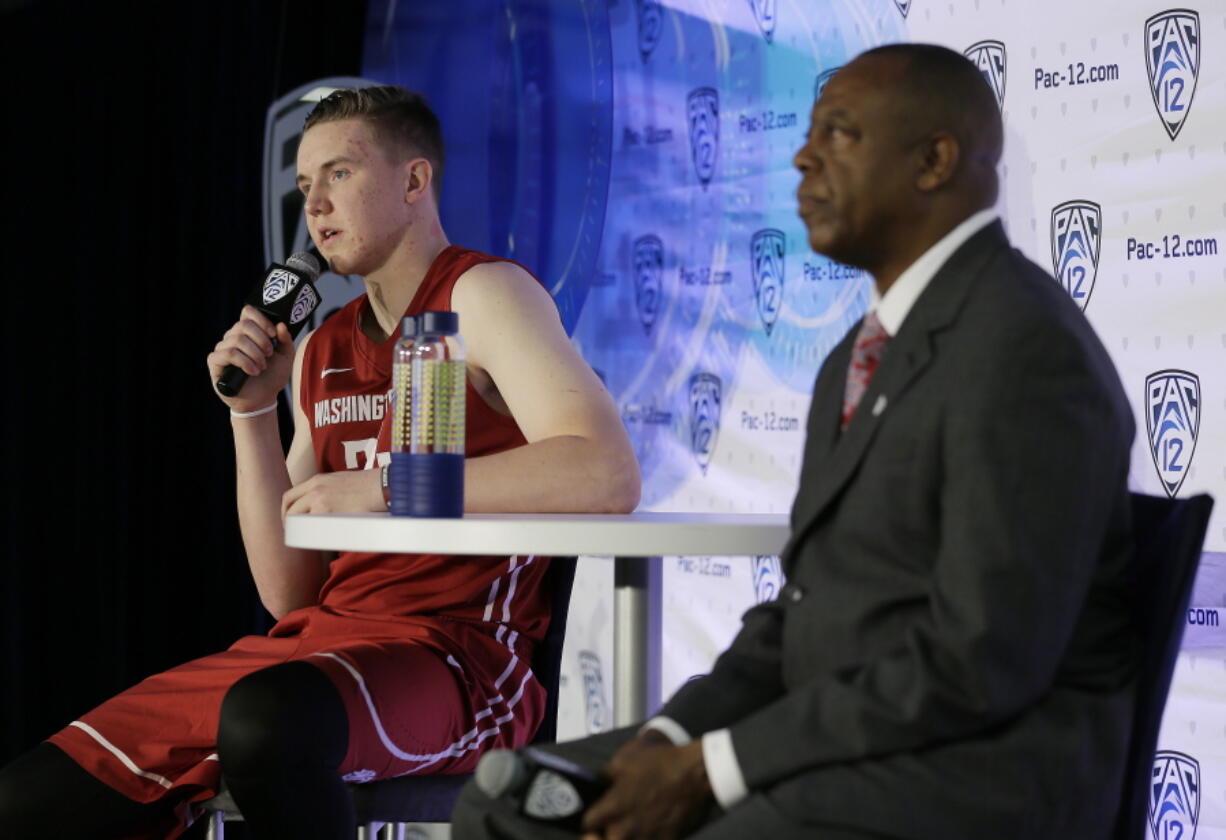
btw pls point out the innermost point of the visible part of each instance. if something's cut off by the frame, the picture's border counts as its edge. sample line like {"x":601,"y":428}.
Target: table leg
{"x":636,"y":638}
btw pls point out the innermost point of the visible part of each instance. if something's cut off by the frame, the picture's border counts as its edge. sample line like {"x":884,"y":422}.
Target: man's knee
{"x":468,"y":818}
{"x":281,"y":715}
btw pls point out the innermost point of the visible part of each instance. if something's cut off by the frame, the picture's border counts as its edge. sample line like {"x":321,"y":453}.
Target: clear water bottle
{"x":402,"y":417}
{"x":431,"y":478}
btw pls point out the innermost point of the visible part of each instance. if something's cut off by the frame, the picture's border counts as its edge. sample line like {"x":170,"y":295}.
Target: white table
{"x":628,"y":538}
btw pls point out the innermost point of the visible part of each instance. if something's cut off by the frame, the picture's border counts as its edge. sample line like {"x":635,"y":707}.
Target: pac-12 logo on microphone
{"x":822,"y":78}
{"x":1174,"y":796}
{"x":1172,"y":59}
{"x":764,"y":14}
{"x":767,"y":578}
{"x":596,"y":709}
{"x":1076,"y":237}
{"x":648,"y":277}
{"x":702,"y":106}
{"x":278,"y":283}
{"x":706,"y":395}
{"x":1172,"y":418}
{"x":767,"y":247}
{"x":304,"y":305}
{"x":651,"y":25}
{"x":989,"y":57}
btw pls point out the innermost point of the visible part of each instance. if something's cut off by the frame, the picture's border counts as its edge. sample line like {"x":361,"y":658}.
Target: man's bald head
{"x":938,"y":89}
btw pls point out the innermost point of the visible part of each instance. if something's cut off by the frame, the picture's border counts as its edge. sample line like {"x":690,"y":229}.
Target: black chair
{"x":1169,"y":534}
{"x":430,"y":799}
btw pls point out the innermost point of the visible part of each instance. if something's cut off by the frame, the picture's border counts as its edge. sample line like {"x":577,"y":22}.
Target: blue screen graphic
{"x":637,"y":155}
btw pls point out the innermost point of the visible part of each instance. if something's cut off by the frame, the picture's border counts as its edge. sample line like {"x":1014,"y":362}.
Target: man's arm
{"x":286,"y":578}
{"x":578,"y":457}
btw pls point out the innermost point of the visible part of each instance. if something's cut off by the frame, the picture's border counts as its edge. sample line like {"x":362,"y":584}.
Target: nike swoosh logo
{"x":326,"y":371}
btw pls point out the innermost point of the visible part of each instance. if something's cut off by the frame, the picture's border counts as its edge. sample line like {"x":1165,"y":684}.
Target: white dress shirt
{"x":723,"y":770}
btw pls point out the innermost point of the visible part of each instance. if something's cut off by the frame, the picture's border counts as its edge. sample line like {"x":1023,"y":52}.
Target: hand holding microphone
{"x":277,"y":310}
{"x":545,"y":788}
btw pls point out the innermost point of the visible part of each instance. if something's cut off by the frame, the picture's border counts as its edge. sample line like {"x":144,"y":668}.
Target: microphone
{"x":287,"y":294}
{"x":547,"y":788}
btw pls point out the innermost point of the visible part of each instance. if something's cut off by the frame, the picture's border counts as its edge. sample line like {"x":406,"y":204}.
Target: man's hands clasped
{"x":658,"y":791}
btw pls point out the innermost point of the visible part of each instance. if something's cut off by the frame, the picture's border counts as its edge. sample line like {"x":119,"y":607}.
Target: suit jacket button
{"x":793,"y":593}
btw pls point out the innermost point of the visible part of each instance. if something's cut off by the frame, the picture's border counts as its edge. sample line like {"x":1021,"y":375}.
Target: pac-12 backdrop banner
{"x":636,"y":154}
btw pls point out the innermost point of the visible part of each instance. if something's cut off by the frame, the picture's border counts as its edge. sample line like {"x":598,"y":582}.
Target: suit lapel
{"x":831,"y":463}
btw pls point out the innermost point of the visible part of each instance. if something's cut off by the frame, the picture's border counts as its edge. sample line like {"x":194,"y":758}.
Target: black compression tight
{"x":282,"y":735}
{"x":44,"y":793}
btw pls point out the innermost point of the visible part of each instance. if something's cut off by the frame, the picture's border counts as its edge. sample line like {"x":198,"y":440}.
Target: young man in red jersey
{"x":379,"y":665}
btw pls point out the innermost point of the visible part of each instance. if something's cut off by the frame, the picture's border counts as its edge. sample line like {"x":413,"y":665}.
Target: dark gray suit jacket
{"x":952,"y":655}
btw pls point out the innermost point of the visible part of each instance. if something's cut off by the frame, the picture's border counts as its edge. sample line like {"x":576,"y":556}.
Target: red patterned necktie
{"x":865,"y":356}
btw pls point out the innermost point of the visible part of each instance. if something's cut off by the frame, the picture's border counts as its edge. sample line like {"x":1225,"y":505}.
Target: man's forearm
{"x":564,"y":474}
{"x":287,"y":578}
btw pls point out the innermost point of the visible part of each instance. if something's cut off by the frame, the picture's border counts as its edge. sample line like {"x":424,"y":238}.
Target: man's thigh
{"x":758,"y":816}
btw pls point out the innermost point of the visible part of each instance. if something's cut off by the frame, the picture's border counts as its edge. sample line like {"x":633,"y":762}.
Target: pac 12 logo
{"x":702,"y":106}
{"x":648,"y":277}
{"x":1172,"y":59}
{"x":304,"y":305}
{"x":595,"y":708}
{"x":278,"y":283}
{"x":822,"y":78}
{"x":651,"y":25}
{"x":764,"y":14}
{"x":989,"y":57}
{"x":1172,"y":418}
{"x":767,"y":247}
{"x":1174,"y":796}
{"x":767,"y":578}
{"x":1076,"y":238}
{"x":706,"y":395}
{"x":904,"y":6}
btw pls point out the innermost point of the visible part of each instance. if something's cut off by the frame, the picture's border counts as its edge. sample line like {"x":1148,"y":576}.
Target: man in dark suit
{"x":952,"y":656}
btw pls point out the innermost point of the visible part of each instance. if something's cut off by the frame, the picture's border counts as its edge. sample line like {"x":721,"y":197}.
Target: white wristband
{"x":243,"y":415}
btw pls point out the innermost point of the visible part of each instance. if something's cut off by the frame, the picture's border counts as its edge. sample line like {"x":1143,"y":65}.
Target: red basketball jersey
{"x":346,"y":380}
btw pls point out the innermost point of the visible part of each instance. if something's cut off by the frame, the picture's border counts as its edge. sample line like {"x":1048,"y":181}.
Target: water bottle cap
{"x":439,"y":323}
{"x":408,"y":326}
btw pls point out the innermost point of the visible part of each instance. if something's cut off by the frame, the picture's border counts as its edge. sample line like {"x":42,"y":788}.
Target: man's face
{"x":354,"y":196}
{"x":856,"y":186}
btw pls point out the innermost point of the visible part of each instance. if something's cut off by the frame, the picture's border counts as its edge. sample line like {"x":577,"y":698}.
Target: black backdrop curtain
{"x":132,"y":183}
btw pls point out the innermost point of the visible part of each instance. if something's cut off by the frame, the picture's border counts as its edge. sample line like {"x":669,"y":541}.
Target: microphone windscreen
{"x":307,"y":262}
{"x":500,"y":772}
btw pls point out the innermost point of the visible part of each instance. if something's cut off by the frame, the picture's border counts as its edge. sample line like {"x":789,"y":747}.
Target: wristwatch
{"x":387,"y":490}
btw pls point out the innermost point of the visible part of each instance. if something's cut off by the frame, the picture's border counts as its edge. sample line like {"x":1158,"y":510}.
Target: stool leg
{"x":217,"y":826}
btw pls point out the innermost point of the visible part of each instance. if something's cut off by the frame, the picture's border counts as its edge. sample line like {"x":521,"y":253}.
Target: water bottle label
{"x":438,"y":404}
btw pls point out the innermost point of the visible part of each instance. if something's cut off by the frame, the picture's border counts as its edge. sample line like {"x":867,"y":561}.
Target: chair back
{"x":1168,"y":535}
{"x":547,"y":659}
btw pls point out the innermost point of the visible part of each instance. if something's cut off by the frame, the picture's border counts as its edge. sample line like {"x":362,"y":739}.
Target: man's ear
{"x":419,"y":177}
{"x":940,"y":155}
